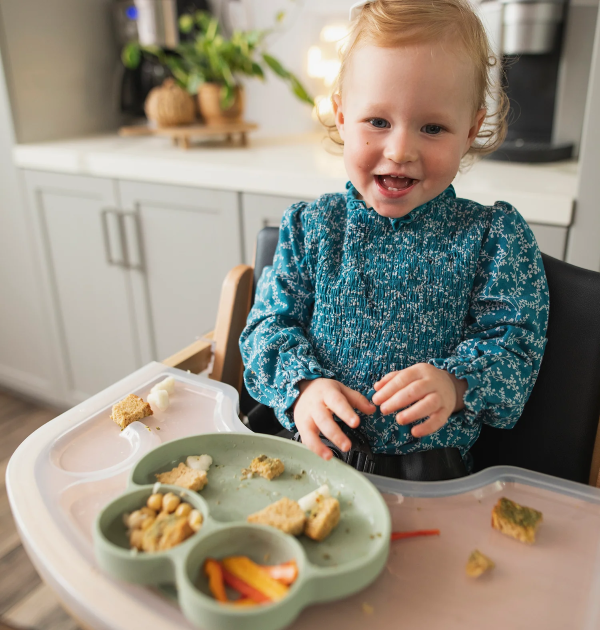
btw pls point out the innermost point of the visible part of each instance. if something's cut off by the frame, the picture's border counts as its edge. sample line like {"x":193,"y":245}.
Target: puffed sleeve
{"x":501,"y":353}
{"x":274,"y":346}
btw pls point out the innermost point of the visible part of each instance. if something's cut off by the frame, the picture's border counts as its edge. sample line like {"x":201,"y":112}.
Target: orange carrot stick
{"x":413,"y":534}
{"x":244,"y":588}
{"x":252,"y":574}
{"x":216,"y":585}
{"x":285,"y":573}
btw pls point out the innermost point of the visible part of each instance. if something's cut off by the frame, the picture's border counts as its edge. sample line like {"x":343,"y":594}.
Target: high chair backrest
{"x":558,"y":429}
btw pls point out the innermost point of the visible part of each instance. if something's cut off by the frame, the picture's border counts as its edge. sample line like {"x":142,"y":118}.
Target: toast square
{"x":515,"y":520}
{"x":478,"y":564}
{"x":129,"y":410}
{"x":323,"y":519}
{"x":184,"y":477}
{"x":267,"y":467}
{"x":285,"y":515}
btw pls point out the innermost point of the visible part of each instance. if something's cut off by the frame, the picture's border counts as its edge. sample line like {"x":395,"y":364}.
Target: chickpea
{"x":155,"y":502}
{"x":195,"y":520}
{"x":139,"y":517}
{"x":170,"y":502}
{"x":147,"y":522}
{"x":183,"y":510}
{"x":135,"y":538}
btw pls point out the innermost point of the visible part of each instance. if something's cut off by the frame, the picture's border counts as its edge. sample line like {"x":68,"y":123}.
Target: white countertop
{"x":298,"y":166}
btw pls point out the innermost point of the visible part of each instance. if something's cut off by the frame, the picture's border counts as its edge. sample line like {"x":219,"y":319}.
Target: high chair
{"x":557,"y":433}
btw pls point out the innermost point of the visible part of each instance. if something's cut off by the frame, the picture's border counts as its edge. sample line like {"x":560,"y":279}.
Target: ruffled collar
{"x":353,"y":203}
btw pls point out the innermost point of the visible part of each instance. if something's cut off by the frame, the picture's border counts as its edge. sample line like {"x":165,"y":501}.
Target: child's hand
{"x":430,"y":392}
{"x":313,"y":413}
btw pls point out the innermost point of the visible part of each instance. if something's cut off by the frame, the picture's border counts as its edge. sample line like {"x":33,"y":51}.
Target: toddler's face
{"x":406,"y":118}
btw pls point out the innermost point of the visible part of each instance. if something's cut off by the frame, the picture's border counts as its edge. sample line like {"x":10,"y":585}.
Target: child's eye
{"x":432,"y":130}
{"x":379,"y":123}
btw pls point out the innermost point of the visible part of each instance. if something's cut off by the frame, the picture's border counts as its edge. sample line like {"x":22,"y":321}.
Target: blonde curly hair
{"x":391,"y":23}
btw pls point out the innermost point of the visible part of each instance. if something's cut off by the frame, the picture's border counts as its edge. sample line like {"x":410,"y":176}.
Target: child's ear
{"x":338,"y":114}
{"x":474,"y":130}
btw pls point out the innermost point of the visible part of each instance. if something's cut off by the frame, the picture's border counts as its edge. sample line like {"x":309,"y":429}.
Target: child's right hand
{"x":313,"y":413}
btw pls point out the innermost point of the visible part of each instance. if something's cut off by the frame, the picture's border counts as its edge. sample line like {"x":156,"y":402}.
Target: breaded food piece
{"x":323,"y":519}
{"x":184,"y":477}
{"x":478,"y":564}
{"x":515,"y":520}
{"x":285,"y":515}
{"x":267,"y":467}
{"x":167,"y":531}
{"x":129,"y":410}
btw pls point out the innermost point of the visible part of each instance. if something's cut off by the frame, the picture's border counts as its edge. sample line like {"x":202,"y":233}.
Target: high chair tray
{"x":64,"y":474}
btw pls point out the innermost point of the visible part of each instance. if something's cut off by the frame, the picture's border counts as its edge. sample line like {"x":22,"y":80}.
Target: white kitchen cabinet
{"x":180,"y":242}
{"x":258,"y":212}
{"x":133,"y":270}
{"x":551,"y":239}
{"x":77,"y":232}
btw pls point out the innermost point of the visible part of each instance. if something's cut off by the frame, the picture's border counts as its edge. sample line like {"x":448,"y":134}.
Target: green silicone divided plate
{"x":347,"y":561}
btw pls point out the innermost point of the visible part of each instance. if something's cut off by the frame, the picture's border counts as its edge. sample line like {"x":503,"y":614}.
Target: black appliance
{"x":531,"y":42}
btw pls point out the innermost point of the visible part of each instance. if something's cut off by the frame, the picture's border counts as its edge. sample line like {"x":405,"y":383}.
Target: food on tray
{"x":266,"y":467}
{"x":185,"y":477}
{"x":199,"y":462}
{"x":255,"y":583}
{"x":159,"y":399}
{"x":129,"y":410}
{"x":285,"y":515}
{"x":478,"y":564}
{"x":515,"y":520}
{"x":311,"y":500}
{"x":323,"y":519}
{"x":167,"y":385}
{"x":164,"y":522}
{"x":414,"y":534}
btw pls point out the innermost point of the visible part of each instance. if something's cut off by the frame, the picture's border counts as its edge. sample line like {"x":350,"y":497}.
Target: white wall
{"x":61,"y":66}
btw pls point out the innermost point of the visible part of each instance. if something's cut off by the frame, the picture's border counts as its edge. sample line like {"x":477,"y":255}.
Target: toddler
{"x":397,"y":308}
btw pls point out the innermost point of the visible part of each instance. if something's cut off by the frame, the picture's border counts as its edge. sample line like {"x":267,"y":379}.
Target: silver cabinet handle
{"x":134,"y":254}
{"x":104,"y":217}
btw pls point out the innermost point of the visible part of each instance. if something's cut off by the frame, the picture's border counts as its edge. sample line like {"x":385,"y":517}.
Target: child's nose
{"x":401,"y":148}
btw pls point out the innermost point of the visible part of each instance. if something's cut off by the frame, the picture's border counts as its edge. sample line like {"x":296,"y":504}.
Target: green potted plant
{"x":208,"y":64}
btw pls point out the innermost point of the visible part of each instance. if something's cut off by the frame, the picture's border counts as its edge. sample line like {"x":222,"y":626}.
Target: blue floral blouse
{"x":353,"y":295}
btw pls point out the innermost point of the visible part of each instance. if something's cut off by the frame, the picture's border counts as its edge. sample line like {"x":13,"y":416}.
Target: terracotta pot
{"x":209,"y":102}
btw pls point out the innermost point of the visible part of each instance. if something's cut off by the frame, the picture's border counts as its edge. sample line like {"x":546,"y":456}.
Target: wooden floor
{"x":25,"y":601}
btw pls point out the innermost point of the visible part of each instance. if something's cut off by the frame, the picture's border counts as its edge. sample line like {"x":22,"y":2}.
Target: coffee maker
{"x":528,"y":37}
{"x":151,"y":22}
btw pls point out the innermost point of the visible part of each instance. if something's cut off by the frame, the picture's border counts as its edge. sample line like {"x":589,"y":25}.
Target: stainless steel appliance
{"x":530,"y":37}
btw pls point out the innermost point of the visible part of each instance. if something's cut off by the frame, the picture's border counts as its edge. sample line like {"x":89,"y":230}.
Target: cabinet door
{"x":551,"y":239}
{"x":77,"y":229}
{"x":260,"y":211}
{"x":181,"y":244}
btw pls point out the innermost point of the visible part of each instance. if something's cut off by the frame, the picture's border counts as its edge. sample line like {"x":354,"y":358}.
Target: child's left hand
{"x":428,"y":390}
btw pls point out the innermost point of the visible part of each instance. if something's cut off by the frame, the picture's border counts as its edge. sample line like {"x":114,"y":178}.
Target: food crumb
{"x":158,"y":428}
{"x":367,"y":608}
{"x":326,"y":556}
{"x":372,"y":537}
{"x":349,"y":503}
{"x":378,"y":534}
{"x":218,"y":502}
{"x":347,"y":530}
{"x":266,"y":557}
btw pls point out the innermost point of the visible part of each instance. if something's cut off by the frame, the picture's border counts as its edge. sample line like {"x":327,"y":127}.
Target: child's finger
{"x":357,"y":401}
{"x":310,"y":438}
{"x":407,"y":395}
{"x":421,"y":409}
{"x":382,"y":381}
{"x":330,"y":429}
{"x":435,"y":422}
{"x":397,"y":382}
{"x":336,"y":402}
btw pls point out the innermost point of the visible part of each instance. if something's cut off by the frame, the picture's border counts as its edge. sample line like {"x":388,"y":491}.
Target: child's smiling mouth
{"x":394,"y":185}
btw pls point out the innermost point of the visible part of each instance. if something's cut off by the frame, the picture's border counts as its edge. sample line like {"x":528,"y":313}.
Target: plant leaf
{"x":280,"y":17}
{"x":131,"y":55}
{"x":227,"y":96}
{"x":186,"y":23}
{"x":300,"y":91}
{"x":277,"y":68}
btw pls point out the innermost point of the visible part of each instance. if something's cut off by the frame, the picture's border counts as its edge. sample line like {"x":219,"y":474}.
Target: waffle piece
{"x":323,"y":519}
{"x":184,"y":477}
{"x":129,"y":410}
{"x":478,"y":564}
{"x":284,"y":514}
{"x":515,"y":520}
{"x":266,"y":467}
